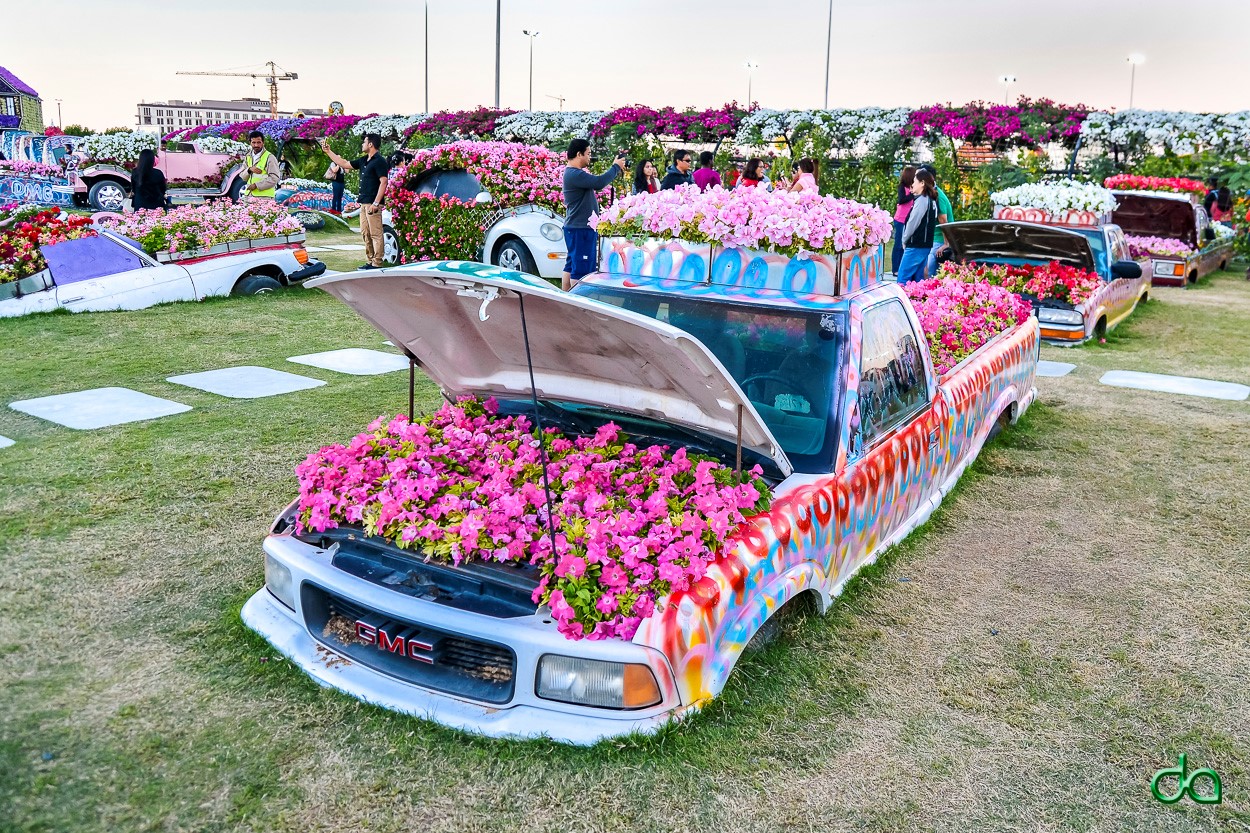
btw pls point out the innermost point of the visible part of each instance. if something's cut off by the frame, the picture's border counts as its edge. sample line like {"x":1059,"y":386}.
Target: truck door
{"x":892,"y":463}
{"x":179,"y":163}
{"x":100,"y":273}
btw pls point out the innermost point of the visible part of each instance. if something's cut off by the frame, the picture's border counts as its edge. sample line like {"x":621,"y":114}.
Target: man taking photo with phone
{"x":580,"y":201}
{"x":373,"y":169}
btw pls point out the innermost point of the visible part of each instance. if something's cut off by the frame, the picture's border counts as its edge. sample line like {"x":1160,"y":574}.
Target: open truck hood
{"x":982,"y":239}
{"x":1156,"y":215}
{"x":462,"y":324}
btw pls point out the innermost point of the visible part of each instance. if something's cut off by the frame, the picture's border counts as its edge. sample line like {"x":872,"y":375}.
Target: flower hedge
{"x":23,"y":230}
{"x":1057,"y":197}
{"x":11,"y":167}
{"x":1139,"y":246}
{"x":753,"y":218}
{"x":1051,"y":281}
{"x":632,"y":524}
{"x":958,"y":318}
{"x":1027,"y":123}
{"x":436,"y":228}
{"x":190,"y":227}
{"x":1168,"y":184}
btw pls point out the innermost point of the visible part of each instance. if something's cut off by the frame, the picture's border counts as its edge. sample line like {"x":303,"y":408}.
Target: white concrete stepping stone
{"x":1045,"y":368}
{"x":99,"y":407}
{"x":1185,"y":385}
{"x":317,"y":249}
{"x":246,"y":382}
{"x":5,"y":442}
{"x":355,"y":360}
{"x":345,"y":247}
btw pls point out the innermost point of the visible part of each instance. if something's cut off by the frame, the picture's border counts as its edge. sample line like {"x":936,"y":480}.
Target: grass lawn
{"x":1073,"y":618}
{"x":335,"y":234}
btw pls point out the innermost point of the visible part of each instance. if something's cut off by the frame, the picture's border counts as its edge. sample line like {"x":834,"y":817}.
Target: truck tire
{"x":390,"y":246}
{"x":515,"y":255}
{"x":107,"y":195}
{"x":256,"y":285}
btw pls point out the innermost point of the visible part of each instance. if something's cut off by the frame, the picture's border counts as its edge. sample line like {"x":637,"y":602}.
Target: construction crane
{"x":271,"y":78}
{"x":558,"y":98}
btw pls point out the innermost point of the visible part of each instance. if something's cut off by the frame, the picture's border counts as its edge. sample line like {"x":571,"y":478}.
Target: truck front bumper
{"x":523,"y":716}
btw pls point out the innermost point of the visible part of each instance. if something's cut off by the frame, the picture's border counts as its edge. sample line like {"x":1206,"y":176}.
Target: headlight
{"x":278,"y":580}
{"x":552,"y":232}
{"x":1049,"y":315}
{"x":1164,"y":267}
{"x":592,"y":682}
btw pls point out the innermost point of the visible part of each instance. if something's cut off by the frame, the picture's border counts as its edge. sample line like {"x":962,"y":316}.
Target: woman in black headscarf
{"x":148,"y":182}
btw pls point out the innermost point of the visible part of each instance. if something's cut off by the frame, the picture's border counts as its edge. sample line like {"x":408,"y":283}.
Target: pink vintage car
{"x":193,"y":175}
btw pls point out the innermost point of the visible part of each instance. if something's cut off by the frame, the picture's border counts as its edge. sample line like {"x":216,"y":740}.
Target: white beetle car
{"x":111,"y":272}
{"x":527,"y":238}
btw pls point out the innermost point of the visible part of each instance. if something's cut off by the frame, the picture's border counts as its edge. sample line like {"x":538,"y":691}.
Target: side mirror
{"x":1208,"y":234}
{"x":1126,"y":269}
{"x":483,"y":198}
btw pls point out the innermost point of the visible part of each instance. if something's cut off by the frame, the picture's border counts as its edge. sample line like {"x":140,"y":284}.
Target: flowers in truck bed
{"x":23,"y":231}
{"x":1168,"y":184}
{"x":1139,"y":246}
{"x":1050,"y":281}
{"x":18,"y":167}
{"x":959,"y":318}
{"x":749,"y":218}
{"x":118,"y":148}
{"x":632,"y":524}
{"x":200,"y":226}
{"x":1058,"y":197}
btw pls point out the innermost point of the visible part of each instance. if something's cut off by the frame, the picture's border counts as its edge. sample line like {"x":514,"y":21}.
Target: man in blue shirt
{"x":580,"y":201}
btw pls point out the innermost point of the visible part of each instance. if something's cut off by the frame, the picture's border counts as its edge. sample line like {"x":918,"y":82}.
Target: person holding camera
{"x":262,"y":169}
{"x":373,"y":178}
{"x":679,"y":172}
{"x":580,"y":201}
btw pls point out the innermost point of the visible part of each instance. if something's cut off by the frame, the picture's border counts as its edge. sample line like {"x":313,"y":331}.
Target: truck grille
{"x":415,"y":653}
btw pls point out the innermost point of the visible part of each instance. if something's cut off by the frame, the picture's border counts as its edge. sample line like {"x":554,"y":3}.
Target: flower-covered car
{"x":139,"y":260}
{"x":515,"y":188}
{"x":1174,"y":233}
{"x":1073,"y":256}
{"x":809,"y":368}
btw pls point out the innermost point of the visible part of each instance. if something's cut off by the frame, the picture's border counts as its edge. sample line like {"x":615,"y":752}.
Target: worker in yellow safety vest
{"x":262,"y":169}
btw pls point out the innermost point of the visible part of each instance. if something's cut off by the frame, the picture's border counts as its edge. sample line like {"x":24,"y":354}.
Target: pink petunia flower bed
{"x":632,"y":524}
{"x":1141,"y":246}
{"x":958,"y":318}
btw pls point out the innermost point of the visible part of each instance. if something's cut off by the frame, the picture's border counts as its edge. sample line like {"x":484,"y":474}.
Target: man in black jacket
{"x":679,"y":172}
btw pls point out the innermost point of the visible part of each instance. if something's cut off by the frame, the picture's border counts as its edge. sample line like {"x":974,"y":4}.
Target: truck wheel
{"x":515,"y":256}
{"x":390,"y":246}
{"x":107,"y":195}
{"x":236,"y":189}
{"x":256,"y":285}
{"x":1223,"y":264}
{"x":1193,"y":276}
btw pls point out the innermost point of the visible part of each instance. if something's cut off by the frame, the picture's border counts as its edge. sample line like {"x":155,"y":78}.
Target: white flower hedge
{"x":851,"y":131}
{"x":545,"y":128}
{"x":120,"y":146}
{"x":216,"y":144}
{"x":1165,"y":130}
{"x":388,"y":127}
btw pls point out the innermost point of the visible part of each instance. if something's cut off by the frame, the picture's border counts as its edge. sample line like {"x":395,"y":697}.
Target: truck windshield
{"x":784,"y":359}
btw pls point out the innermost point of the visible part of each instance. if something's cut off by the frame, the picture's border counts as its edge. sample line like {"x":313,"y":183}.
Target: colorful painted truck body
{"x":192,"y":174}
{"x":1173,"y":217}
{"x":815,"y":370}
{"x":1095,"y":248}
{"x":109,"y":272}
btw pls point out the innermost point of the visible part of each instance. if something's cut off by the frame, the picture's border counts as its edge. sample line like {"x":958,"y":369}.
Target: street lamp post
{"x":751,"y":67}
{"x":58,"y":113}
{"x":1133,"y":61}
{"x":828,"y":53}
{"x":1007,"y":81}
{"x":427,"y":56}
{"x":498,"y":37}
{"x":531,"y":36}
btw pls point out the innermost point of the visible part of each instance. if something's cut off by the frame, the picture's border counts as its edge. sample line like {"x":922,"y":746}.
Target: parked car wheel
{"x":256,"y":285}
{"x":107,"y":195}
{"x":390,"y":246}
{"x":515,"y":255}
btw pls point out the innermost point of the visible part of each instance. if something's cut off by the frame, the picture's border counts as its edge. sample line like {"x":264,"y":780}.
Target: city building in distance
{"x":165,"y":116}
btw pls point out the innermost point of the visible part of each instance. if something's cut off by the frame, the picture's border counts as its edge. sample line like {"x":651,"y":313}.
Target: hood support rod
{"x":538,"y":423}
{"x":412,"y":385}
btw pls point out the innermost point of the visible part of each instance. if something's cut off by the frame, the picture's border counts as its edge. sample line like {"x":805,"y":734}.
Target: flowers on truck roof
{"x":1057,"y":197}
{"x":750,"y":218}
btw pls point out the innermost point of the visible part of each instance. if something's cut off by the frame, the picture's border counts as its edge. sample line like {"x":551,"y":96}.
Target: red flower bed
{"x":19,"y":242}
{"x":1169,"y":184}
{"x":1052,"y":281}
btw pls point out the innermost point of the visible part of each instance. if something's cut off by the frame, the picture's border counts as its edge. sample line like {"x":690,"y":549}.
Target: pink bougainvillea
{"x":632,"y":524}
{"x":958,"y":318}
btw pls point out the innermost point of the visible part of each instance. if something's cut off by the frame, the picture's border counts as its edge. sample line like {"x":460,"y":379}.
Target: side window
{"x":892,"y":384}
{"x":1119,"y":246}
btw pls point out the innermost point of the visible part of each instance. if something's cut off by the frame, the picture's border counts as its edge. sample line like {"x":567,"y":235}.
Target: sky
{"x":102,"y":57}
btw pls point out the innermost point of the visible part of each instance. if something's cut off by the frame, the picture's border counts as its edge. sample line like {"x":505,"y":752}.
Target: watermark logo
{"x":1185,"y":784}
